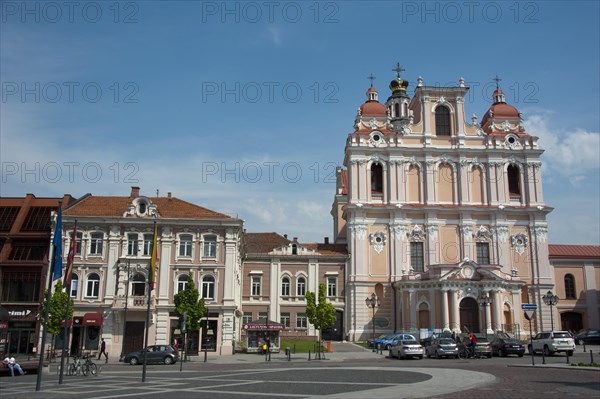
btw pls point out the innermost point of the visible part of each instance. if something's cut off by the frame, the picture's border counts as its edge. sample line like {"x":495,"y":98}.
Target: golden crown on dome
{"x":398,"y":84}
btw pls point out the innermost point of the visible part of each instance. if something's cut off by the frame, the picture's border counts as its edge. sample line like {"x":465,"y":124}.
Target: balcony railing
{"x":133,"y":302}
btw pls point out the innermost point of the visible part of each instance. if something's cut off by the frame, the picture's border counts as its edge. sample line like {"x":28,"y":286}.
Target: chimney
{"x":285,"y":236}
{"x":135,"y":192}
{"x":295,"y":239}
{"x":326,"y":240}
{"x":169,"y":195}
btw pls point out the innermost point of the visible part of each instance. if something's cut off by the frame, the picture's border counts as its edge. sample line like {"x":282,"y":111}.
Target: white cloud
{"x":573,"y":154}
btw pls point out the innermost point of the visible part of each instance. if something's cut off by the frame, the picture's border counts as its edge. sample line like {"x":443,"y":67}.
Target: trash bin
{"x":328,"y":346}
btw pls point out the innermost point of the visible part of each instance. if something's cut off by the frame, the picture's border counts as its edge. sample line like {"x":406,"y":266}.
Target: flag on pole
{"x":153,"y":260}
{"x":72,"y":250}
{"x":57,"y":246}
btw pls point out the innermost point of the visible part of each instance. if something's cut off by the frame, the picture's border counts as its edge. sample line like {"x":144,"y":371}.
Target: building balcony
{"x":134,"y":302}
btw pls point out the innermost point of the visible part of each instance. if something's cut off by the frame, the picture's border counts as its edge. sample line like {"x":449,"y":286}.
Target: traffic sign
{"x":528,"y":306}
{"x":530,"y":314}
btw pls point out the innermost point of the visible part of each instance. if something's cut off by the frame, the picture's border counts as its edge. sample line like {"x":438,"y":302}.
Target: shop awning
{"x":261,"y":325}
{"x":93,"y":319}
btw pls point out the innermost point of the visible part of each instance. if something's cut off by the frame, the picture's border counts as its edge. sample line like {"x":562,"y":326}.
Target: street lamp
{"x":373,"y":302}
{"x":484,"y":301}
{"x":551,"y":300}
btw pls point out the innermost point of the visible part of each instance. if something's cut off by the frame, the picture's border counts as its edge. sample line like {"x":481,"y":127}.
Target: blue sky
{"x":244,"y":107}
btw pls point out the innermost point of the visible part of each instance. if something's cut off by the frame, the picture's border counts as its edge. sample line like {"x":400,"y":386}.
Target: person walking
{"x":12,"y":364}
{"x":103,"y":351}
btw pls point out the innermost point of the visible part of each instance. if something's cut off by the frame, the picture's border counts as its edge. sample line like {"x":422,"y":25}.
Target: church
{"x":444,"y":218}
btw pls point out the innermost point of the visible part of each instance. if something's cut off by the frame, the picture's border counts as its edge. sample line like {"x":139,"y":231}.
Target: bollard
{"x":269,"y":355}
{"x":591,"y":356}
{"x":288,"y":353}
{"x":584,"y":346}
{"x":543,"y":356}
{"x":568,"y":358}
{"x":294,"y":349}
{"x":309,"y":355}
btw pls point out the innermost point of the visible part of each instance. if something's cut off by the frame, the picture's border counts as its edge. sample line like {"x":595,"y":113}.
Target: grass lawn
{"x":301,"y":345}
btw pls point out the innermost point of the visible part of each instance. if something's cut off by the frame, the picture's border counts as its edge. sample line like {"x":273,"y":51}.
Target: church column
{"x":455,"y":313}
{"x":497,"y":306}
{"x":353,"y":181}
{"x":412,"y":297}
{"x":488,"y":316}
{"x":444,"y":310}
{"x":494,"y":183}
{"x":362,"y":177}
{"x":464,"y":194}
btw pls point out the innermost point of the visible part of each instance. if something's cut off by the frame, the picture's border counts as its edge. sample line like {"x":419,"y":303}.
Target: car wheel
{"x":520,"y":355}
{"x":489,"y":355}
{"x":547,"y":351}
{"x":388,"y":346}
{"x":168,"y":360}
{"x":570,"y":353}
{"x":428,"y":355}
{"x":133,"y":361}
{"x":420,"y":357}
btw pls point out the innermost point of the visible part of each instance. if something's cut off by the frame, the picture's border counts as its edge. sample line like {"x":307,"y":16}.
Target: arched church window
{"x":442,"y":121}
{"x":396,"y":110}
{"x":376,"y":178}
{"x":570,"y":292}
{"x":514,"y":184}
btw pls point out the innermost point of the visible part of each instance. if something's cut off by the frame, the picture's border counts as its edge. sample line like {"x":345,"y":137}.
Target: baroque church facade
{"x":444,"y":218}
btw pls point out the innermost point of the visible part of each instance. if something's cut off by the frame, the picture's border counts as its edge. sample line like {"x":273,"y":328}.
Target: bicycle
{"x":77,"y":367}
{"x":467,"y":352}
{"x":91,"y":367}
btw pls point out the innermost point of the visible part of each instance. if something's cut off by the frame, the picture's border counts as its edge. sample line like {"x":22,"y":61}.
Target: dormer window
{"x":294,"y":249}
{"x":442,"y":121}
{"x":142,"y":208}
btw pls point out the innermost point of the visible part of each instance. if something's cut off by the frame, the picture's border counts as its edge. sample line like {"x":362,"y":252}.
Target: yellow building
{"x":444,"y":218}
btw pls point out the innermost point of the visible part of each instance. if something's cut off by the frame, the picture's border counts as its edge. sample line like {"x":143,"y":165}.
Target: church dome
{"x":372,"y":107}
{"x":500,"y":109}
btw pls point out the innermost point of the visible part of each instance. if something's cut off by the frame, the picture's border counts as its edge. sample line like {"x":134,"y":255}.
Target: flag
{"x":57,"y":246}
{"x":72,"y":250}
{"x":153,"y":260}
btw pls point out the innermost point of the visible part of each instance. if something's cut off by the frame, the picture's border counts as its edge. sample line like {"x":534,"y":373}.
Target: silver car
{"x":442,"y":347}
{"x":407,"y":348}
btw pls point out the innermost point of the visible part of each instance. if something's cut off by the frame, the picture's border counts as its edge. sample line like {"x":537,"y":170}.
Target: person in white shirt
{"x":12,"y":364}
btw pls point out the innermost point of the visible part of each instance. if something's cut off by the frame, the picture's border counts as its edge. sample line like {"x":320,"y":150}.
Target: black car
{"x":588,"y":337}
{"x":157,"y":354}
{"x":507,"y":346}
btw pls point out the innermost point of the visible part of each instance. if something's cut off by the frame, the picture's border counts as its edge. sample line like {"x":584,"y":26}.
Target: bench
{"x":29,"y":366}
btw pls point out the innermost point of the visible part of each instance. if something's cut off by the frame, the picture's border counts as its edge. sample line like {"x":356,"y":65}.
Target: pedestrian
{"x":12,"y":364}
{"x":103,"y":351}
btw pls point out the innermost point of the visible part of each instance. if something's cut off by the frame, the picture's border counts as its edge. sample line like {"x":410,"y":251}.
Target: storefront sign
{"x":264,"y":327}
{"x":19,"y":313}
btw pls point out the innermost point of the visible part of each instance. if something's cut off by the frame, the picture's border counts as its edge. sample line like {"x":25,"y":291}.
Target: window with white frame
{"x":138,"y":285}
{"x":148,"y":244}
{"x":301,"y":286}
{"x":208,"y":287}
{"x":301,"y":320}
{"x":132,"y":244}
{"x":74,"y":285}
{"x":79,"y":240}
{"x":182,"y":282}
{"x":285,"y":319}
{"x":247,"y":317}
{"x":93,"y":286}
{"x":285,"y":286}
{"x":185,"y":245}
{"x":210,"y":246}
{"x":96,"y":243}
{"x":255,"y":285}
{"x":262,"y":315}
{"x":331,"y":286}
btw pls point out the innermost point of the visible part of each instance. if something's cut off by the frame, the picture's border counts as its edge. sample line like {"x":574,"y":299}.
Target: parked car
{"x":483,"y":346}
{"x":407,"y":348}
{"x":551,"y":342}
{"x":442,"y":347}
{"x":388,"y":343}
{"x":157,"y":354}
{"x":588,"y":337}
{"x":379,"y":339}
{"x":507,"y":346}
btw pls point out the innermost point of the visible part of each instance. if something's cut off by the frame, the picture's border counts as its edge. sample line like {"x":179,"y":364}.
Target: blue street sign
{"x":529,"y":306}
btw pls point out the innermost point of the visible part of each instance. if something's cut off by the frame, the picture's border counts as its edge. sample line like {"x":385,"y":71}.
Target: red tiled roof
{"x":263,"y":242}
{"x":574,"y":251}
{"x":168,"y":207}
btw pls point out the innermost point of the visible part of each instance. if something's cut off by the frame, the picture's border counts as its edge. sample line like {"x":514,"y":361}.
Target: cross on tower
{"x":398,"y":70}
{"x":371,"y":78}
{"x":497,"y":79}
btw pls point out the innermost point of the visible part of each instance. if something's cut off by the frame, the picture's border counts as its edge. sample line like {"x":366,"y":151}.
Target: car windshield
{"x":446,"y":341}
{"x":511,"y":341}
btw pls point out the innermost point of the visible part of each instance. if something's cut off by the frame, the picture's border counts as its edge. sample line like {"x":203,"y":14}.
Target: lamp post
{"x":373,"y":302}
{"x":484,"y":301}
{"x":551,"y":300}
{"x":125,"y":310}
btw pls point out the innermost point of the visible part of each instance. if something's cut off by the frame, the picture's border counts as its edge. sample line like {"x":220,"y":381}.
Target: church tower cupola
{"x":397,"y":104}
{"x":502,"y":118}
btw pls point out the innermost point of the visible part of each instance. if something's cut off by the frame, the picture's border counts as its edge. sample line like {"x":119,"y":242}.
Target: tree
{"x":56,"y":313}
{"x":189,"y":301}
{"x":322,"y":314}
